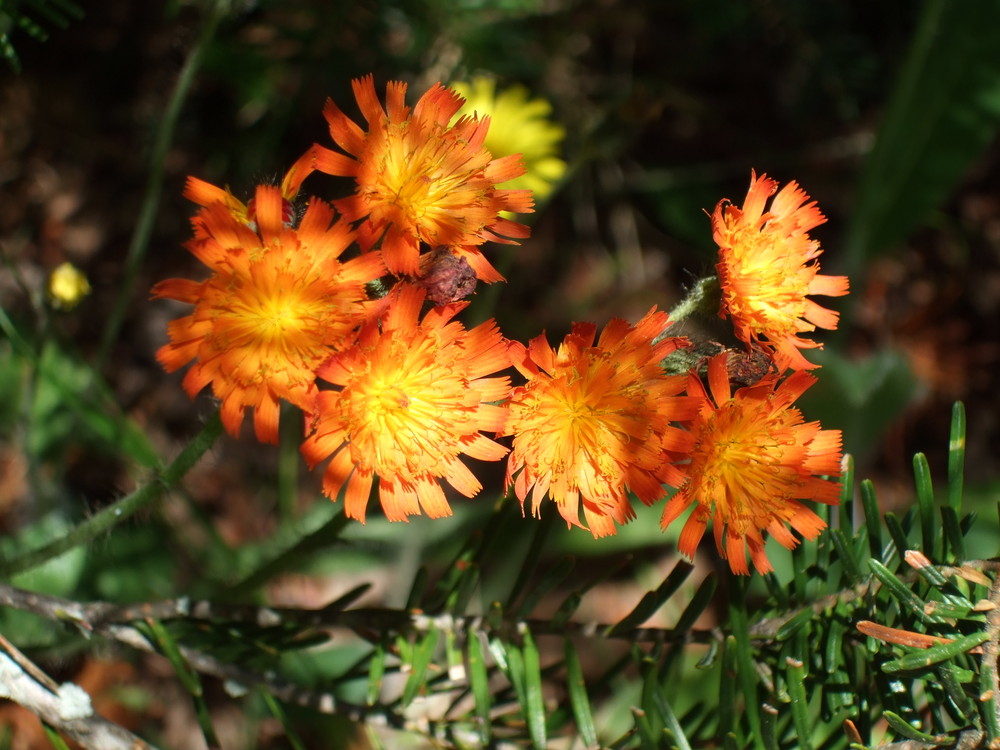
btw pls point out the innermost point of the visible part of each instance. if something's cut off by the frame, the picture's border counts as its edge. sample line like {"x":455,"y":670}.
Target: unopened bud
{"x":448,"y":277}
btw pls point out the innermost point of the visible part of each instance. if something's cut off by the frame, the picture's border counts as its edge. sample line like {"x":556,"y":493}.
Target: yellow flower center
{"x":404,"y":413}
{"x":739,"y":459}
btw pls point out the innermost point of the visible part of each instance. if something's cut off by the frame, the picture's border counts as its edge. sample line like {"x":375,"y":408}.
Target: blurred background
{"x":886,"y":113}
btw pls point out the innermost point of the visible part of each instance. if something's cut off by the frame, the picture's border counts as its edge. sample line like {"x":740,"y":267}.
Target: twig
{"x":93,"y":617}
{"x":67,"y":708}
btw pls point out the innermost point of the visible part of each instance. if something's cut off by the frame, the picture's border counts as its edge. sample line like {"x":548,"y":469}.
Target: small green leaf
{"x":873,"y":519}
{"x":282,"y":717}
{"x":647,"y":738}
{"x":845,"y":554}
{"x":988,"y":701}
{"x":900,"y":541}
{"x":794,"y":624}
{"x":418,"y":588}
{"x":900,"y":591}
{"x":953,"y":535}
{"x":376,"y":671}
{"x":746,"y":676}
{"x":925,"y":500}
{"x":796,"y":681}
{"x":479,"y":680}
{"x":923,"y":658}
{"x":847,"y":494}
{"x":662,"y":707}
{"x":653,"y":600}
{"x":699,"y":602}
{"x":534,"y":705}
{"x":903,"y":728}
{"x":956,"y":458}
{"x":423,"y":653}
{"x":578,"y":696}
{"x":833,"y":655}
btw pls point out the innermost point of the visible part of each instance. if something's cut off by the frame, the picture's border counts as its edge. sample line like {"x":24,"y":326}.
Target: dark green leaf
{"x":653,"y":600}
{"x":578,"y":696}
{"x":944,"y":110}
{"x":795,"y":676}
{"x":479,"y":680}
{"x":905,"y":729}
{"x":925,"y":500}
{"x":534,"y":706}
{"x":923,"y":658}
{"x":873,"y":520}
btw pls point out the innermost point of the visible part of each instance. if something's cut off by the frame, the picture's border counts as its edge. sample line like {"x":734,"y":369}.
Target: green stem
{"x":139,"y":243}
{"x":124,"y":508}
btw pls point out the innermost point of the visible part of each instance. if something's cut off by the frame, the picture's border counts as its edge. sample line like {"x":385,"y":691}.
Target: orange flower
{"x":278,"y":304}
{"x":752,"y":461}
{"x":421,"y":181}
{"x":592,"y":422}
{"x":766,"y":269}
{"x":413,"y":397}
{"x":205,"y":194}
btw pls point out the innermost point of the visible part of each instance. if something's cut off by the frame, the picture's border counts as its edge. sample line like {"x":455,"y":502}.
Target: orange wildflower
{"x":592,"y":422}
{"x":205,"y":194}
{"x":278,"y":304}
{"x":767,"y":268}
{"x":752,"y":461}
{"x":421,"y":180}
{"x":413,"y":397}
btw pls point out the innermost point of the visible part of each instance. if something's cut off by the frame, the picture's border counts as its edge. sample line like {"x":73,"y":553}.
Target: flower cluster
{"x":348,"y":311}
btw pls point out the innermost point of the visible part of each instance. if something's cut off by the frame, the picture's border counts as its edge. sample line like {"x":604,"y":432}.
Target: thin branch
{"x":67,"y":708}
{"x":94,"y":616}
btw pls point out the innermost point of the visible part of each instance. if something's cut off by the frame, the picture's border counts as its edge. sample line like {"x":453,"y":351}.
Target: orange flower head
{"x":420,"y":180}
{"x":752,"y":461}
{"x":412,"y":396}
{"x":767,"y":269}
{"x":278,"y":303}
{"x":206,"y":194}
{"x":593,"y":422}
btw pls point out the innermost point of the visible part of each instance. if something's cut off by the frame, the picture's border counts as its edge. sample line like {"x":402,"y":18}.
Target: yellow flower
{"x":421,"y":182}
{"x":518,"y":125}
{"x":592,"y":422}
{"x":67,"y":286}
{"x":278,"y":304}
{"x":412,"y":397}
{"x":767,"y":268}
{"x":751,"y":462}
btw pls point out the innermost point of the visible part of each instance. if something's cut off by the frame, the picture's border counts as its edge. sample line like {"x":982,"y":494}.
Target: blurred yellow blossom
{"x":518,"y":125}
{"x":67,"y":286}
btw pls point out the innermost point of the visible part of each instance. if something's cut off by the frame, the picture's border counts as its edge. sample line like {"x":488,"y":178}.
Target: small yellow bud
{"x":67,"y":286}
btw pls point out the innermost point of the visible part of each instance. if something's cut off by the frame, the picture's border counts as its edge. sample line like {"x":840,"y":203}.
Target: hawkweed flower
{"x":206,"y":194}
{"x":421,"y":180}
{"x":751,"y":464}
{"x":767,"y":268}
{"x":412,"y":396}
{"x":278,"y":303}
{"x":592,"y":423}
{"x":518,"y":125}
